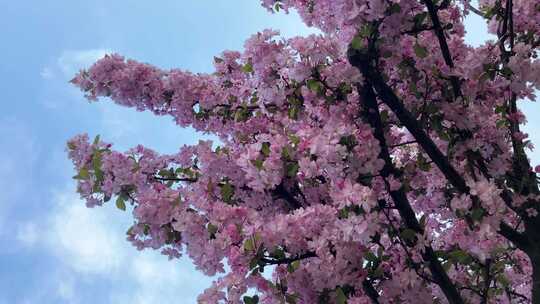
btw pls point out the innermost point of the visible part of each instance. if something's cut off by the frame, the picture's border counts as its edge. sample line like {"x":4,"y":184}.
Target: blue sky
{"x":54,"y":249}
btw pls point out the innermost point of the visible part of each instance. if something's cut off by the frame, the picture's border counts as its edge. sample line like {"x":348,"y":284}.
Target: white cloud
{"x":90,"y":246}
{"x":46,"y":73}
{"x":71,"y":61}
{"x":27,"y":234}
{"x":57,"y":92}
{"x":66,"y":289}
{"x":85,"y":239}
{"x":161,"y":283}
{"x":122,"y":123}
{"x":17,"y":157}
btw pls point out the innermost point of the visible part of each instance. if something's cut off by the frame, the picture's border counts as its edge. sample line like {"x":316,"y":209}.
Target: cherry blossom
{"x":381,"y":161}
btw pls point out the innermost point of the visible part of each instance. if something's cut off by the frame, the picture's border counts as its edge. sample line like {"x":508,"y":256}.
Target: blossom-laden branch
{"x":419,"y":193}
{"x":400,"y":198}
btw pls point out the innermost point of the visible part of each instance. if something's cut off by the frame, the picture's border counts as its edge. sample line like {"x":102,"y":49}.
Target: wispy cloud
{"x":47,"y":73}
{"x":57,"y":92}
{"x":27,"y":234}
{"x":66,"y":289}
{"x":90,"y":245}
{"x":17,"y":158}
{"x":88,"y":242}
{"x":71,"y":61}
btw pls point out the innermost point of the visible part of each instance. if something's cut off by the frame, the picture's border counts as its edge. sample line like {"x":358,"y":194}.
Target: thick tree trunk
{"x":536,"y":280}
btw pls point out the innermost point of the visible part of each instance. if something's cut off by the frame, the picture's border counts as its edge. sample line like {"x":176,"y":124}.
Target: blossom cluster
{"x":317,"y":192}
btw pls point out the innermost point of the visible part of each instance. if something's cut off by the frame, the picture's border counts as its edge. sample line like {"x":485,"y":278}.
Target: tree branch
{"x":304,"y":256}
{"x":281,"y":192}
{"x":370,"y":291}
{"x":476,"y":11}
{"x":386,"y":94}
{"x":400,"y":198}
{"x":439,"y":32}
{"x":175,"y":179}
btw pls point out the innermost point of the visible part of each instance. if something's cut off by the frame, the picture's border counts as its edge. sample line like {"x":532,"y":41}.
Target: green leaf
{"x":503,"y":280}
{"x":286,"y":153}
{"x":314,"y":85}
{"x":164,"y":173}
{"x":249,"y":245}
{"x":254,"y":99}
{"x":477,"y":214}
{"x":357,"y":43}
{"x":247,"y":68}
{"x":227,"y":192}
{"x":419,"y":19}
{"x":295,"y":105}
{"x":295,"y":140}
{"x":292,"y":169}
{"x":423,"y":163}
{"x":278,"y":253}
{"x":258,"y":163}
{"x":489,"y":12}
{"x":385,"y":115}
{"x":293,"y":113}
{"x":501,"y":123}
{"x":83,"y":174}
{"x":290,"y":299}
{"x":500,"y":109}
{"x":291,"y":267}
{"x":265,"y":149}
{"x":423,"y":220}
{"x":343,"y":213}
{"x":251,"y":300}
{"x":370,"y":257}
{"x":420,"y":51}
{"x":120,"y":203}
{"x":366,"y":30}
{"x":241,"y":114}
{"x":348,"y":141}
{"x":212,"y":230}
{"x":146,"y":229}
{"x":345,"y":88}
{"x":96,"y":164}
{"x":394,"y":8}
{"x":408,"y":234}
{"x":507,"y":72}
{"x":460,"y":256}
{"x":341,"y":298}
{"x":254,"y":263}
{"x":96,"y":140}
{"x":257,"y":237}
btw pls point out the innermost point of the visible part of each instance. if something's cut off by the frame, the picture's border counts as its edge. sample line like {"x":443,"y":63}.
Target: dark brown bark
{"x":445,"y":50}
{"x":370,"y":291}
{"x":400,"y":198}
{"x":387,"y":95}
{"x":536,"y":280}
